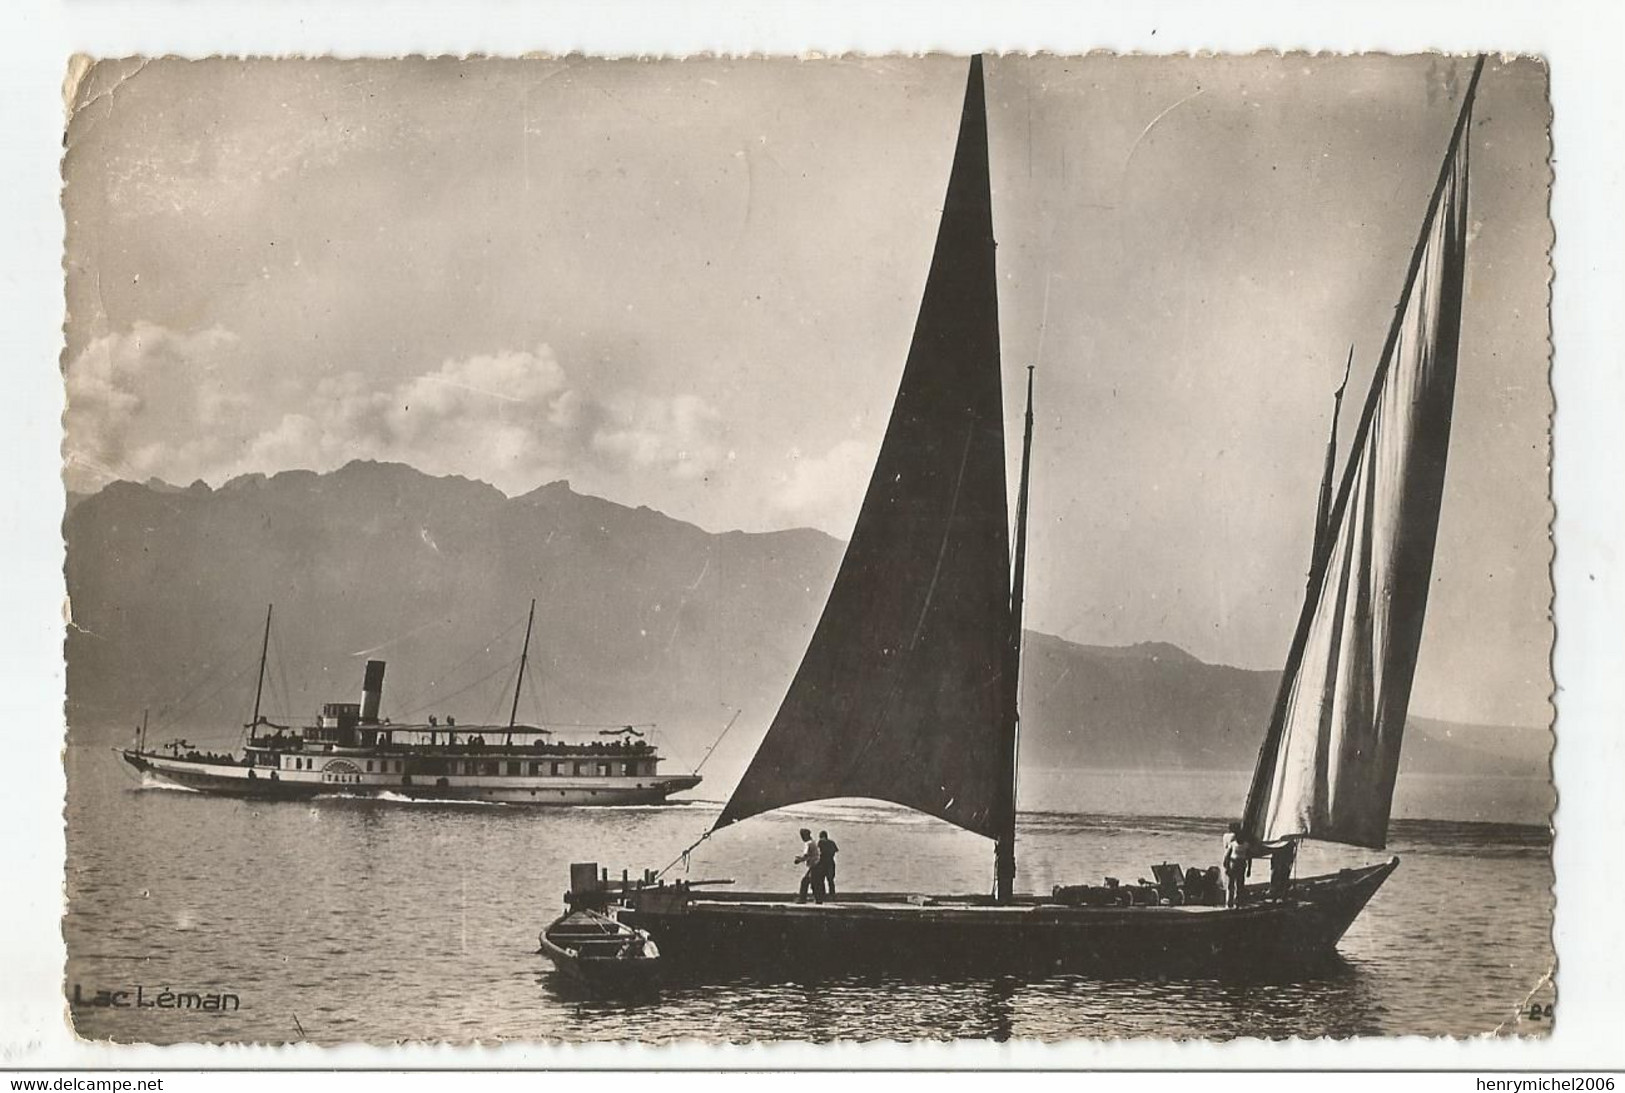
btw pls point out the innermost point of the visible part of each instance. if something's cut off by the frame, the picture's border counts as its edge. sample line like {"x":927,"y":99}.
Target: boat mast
{"x":259,"y":688}
{"x":1004,"y":848}
{"x":519,"y":685}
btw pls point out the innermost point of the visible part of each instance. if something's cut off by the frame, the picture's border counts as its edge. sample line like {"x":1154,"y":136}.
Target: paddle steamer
{"x":351,"y":750}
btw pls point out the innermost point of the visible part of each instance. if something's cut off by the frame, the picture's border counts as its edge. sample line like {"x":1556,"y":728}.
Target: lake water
{"x":343,"y":920}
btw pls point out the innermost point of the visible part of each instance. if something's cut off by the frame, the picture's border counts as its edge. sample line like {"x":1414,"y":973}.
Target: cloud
{"x":141,"y":405}
{"x":678,"y":436}
{"x":124,"y":389}
{"x":508,"y":418}
{"x":827,"y":491}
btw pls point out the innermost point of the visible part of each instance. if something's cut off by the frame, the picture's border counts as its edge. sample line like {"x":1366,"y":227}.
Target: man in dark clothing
{"x":826,"y":861}
{"x":813,"y":879}
{"x":1283,"y":856}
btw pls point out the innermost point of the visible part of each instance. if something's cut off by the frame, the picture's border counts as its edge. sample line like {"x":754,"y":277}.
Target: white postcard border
{"x":1582,"y":43}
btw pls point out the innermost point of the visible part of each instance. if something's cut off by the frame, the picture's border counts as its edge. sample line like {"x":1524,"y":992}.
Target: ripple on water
{"x":393,"y":922}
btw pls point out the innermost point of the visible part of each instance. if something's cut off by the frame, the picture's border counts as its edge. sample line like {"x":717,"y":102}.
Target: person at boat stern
{"x":1237,"y":858}
{"x":813,"y":879}
{"x":1283,"y":856}
{"x":826,"y":862}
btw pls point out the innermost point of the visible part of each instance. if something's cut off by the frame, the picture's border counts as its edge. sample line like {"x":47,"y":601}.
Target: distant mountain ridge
{"x":640,"y":617}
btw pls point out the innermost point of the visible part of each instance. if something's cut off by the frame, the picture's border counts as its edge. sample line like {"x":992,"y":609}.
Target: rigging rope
{"x":208,"y":696}
{"x":274,"y":652}
{"x":707,"y":756}
{"x":660,"y":742}
{"x":683,"y":857}
{"x":487,"y":677}
{"x":599,"y":920}
{"x":282,"y":675}
{"x":538,"y":680}
{"x":423,"y":692}
{"x":497,"y":703}
{"x":175,"y":707}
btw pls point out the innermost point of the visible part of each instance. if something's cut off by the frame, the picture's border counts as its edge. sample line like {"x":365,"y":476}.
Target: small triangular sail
{"x":903,"y":689}
{"x":1331,"y":754}
{"x":1323,"y":508}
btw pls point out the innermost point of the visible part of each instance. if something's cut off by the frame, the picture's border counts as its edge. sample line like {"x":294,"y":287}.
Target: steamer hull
{"x":351,"y":751}
{"x":346,"y":776}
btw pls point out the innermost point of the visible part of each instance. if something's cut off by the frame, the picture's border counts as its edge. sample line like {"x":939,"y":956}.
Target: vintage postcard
{"x":998,"y":547}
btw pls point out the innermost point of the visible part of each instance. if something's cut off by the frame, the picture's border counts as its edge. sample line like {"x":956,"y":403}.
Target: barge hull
{"x":761,"y":933}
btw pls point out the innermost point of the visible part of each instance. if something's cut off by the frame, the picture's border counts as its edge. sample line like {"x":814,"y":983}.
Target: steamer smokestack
{"x":372,"y":692}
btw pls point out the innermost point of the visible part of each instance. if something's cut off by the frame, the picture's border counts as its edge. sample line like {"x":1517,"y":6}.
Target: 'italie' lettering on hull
{"x":142,"y":998}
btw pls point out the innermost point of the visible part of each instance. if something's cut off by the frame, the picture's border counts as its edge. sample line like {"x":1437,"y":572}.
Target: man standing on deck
{"x":812,"y":880}
{"x":1283,"y":855}
{"x":826,"y":862}
{"x":1237,"y":857}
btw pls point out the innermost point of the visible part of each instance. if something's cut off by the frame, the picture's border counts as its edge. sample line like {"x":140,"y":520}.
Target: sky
{"x":692,"y":284}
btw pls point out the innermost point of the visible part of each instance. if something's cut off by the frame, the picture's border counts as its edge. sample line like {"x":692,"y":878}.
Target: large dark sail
{"x":1331,"y":753}
{"x":904,"y":688}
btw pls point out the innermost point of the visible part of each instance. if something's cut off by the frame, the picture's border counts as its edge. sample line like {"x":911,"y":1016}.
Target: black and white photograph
{"x":994,"y":546}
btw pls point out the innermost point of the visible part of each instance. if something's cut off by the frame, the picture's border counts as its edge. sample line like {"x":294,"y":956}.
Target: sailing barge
{"x":908,"y":689}
{"x":350,"y":750}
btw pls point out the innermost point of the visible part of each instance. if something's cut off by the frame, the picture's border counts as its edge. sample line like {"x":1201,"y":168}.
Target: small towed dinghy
{"x":601,"y":952}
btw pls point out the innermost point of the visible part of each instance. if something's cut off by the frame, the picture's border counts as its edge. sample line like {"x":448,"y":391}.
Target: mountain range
{"x":640,"y":618}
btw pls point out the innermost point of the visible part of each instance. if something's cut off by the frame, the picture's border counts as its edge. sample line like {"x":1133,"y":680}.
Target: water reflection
{"x":1335,"y":999}
{"x":379,"y":922}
